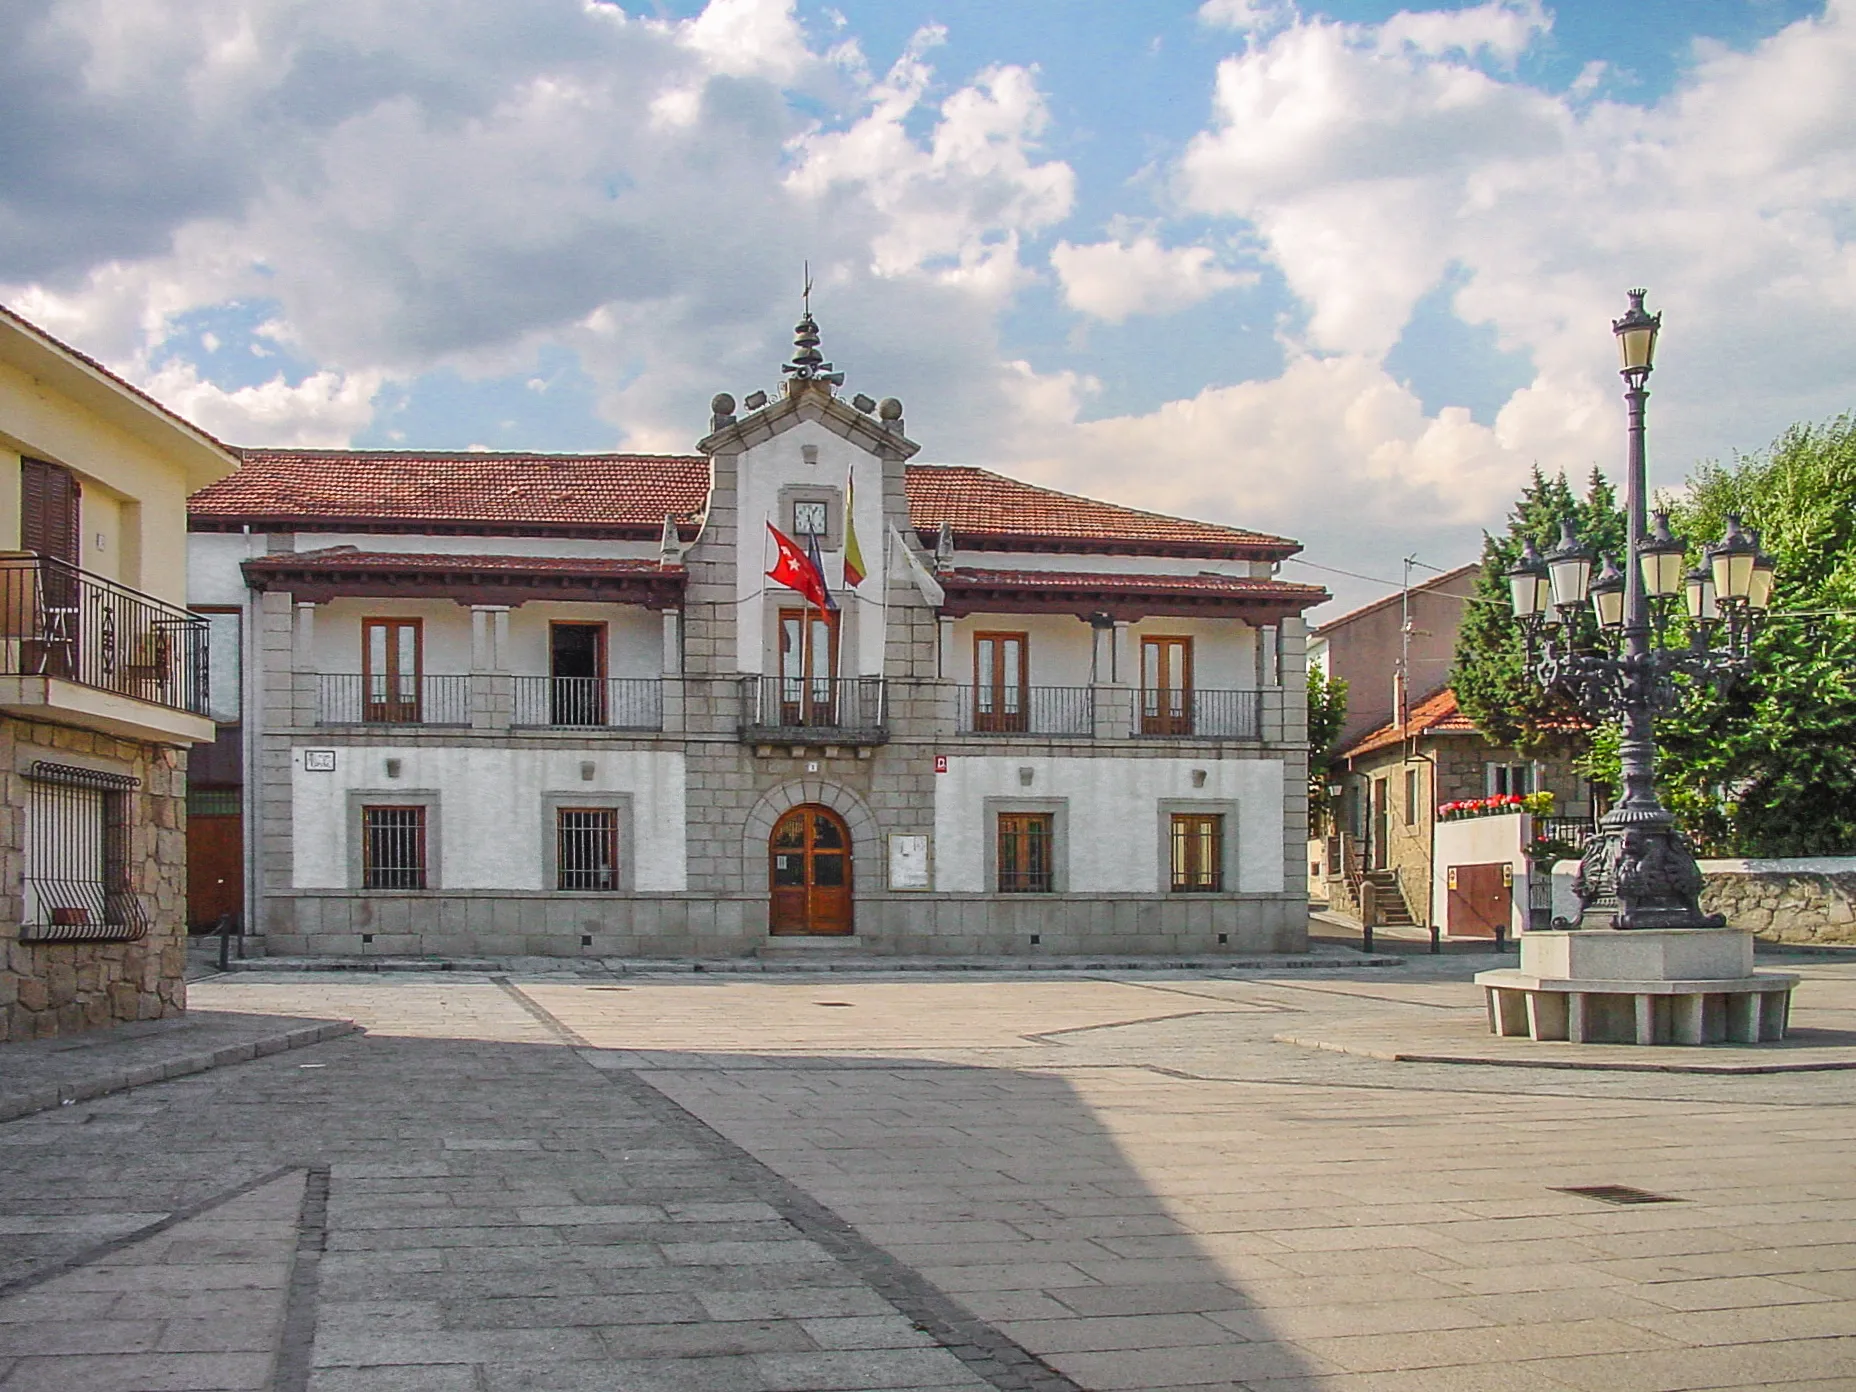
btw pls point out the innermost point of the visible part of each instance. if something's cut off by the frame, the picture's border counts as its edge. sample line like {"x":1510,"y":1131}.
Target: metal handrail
{"x":612,"y":703}
{"x":349,"y":698}
{"x":845,"y":704}
{"x":1029,"y":710}
{"x":1198,"y":713}
{"x":59,"y":621}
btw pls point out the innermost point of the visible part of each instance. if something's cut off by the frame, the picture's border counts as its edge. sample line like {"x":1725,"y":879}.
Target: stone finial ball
{"x":722,"y":404}
{"x":889,"y":409}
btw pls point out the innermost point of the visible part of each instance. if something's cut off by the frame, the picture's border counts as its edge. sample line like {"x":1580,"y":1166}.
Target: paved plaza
{"x":675,"y":1181}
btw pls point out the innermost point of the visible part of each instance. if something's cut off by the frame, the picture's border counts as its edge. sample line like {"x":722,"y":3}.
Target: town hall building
{"x":518,"y":704}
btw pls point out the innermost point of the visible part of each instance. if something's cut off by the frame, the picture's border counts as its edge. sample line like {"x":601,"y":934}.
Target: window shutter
{"x":48,"y":510}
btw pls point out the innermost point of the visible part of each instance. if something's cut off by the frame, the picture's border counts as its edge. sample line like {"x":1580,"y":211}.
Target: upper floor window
{"x":48,"y":510}
{"x":1166,"y":686}
{"x":1000,"y":681}
{"x":1512,"y":780}
{"x":392,"y":651}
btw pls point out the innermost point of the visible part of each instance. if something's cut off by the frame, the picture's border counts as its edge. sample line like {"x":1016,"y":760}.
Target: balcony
{"x":83,"y":650}
{"x":350,"y":698}
{"x":580,"y":703}
{"x":1195,"y":714}
{"x":813,"y":710}
{"x":1031,"y":710}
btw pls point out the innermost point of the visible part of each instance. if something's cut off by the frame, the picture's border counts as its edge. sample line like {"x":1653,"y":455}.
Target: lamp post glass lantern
{"x":1616,"y":656}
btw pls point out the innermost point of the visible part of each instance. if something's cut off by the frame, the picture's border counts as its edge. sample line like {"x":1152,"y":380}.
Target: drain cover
{"x":1618,"y":1194}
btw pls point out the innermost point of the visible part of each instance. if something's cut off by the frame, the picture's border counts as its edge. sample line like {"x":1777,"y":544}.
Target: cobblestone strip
{"x":296,"y":1346}
{"x":987,"y":1352}
{"x":543,"y":1017}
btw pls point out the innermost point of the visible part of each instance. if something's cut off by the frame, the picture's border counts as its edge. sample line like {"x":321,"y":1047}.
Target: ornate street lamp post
{"x":1614,"y":660}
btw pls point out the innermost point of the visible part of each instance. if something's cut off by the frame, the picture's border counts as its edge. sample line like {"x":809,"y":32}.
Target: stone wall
{"x":61,"y":987}
{"x":1792,"y":901}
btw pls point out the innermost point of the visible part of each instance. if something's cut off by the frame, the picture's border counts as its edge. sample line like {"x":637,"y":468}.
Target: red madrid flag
{"x":795,"y":570}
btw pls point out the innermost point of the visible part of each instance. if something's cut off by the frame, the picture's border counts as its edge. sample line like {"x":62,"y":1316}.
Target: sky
{"x":1340,"y":272}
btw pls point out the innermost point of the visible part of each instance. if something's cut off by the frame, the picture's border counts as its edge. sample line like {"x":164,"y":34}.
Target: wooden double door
{"x":809,"y":873}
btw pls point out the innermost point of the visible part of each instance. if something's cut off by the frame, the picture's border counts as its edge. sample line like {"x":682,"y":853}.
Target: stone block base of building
{"x":337,"y":924}
{"x":60,"y":987}
{"x":1610,"y":986}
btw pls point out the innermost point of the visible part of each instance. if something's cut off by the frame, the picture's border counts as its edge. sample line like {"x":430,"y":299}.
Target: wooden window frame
{"x":1197,"y":877}
{"x":392,"y":711}
{"x":1176,"y":717}
{"x":1010,"y":827}
{"x":378,"y":877}
{"x":999,"y":719}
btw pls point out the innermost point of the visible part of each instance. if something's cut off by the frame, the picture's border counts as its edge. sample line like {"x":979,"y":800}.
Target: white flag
{"x":911,"y":568}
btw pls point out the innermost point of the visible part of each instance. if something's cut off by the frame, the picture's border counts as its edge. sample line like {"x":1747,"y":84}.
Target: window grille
{"x":1198,"y":853}
{"x":393,"y":847}
{"x":76,"y":885}
{"x":1025,"y":853}
{"x":586,"y":843}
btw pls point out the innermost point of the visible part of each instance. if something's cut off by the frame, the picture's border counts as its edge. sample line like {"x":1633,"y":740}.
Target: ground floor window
{"x":393,"y":847}
{"x":76,"y":881}
{"x":1198,"y":853}
{"x":586,"y":842}
{"x":1026,"y":859}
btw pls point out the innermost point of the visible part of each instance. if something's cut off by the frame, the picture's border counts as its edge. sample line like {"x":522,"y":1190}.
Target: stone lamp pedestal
{"x":1639,"y":986}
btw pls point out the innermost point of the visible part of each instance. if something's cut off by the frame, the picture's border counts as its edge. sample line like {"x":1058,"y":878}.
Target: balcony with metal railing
{"x":814,"y":710}
{"x":583,"y":703}
{"x":1027,"y":710}
{"x":98,"y":653}
{"x":352,"y":698}
{"x":1198,"y":714}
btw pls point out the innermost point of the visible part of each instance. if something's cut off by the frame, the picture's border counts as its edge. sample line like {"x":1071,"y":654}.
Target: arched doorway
{"x":809,"y":872}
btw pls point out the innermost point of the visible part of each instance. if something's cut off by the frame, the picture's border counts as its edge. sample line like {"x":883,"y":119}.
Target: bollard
{"x":227,"y":926}
{"x":1369,"y":914}
{"x":1437,"y":940}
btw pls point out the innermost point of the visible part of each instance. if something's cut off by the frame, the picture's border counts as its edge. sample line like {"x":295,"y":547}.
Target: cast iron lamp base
{"x":1642,"y":868}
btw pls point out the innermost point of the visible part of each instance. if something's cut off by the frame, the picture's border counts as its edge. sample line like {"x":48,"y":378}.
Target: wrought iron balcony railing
{"x":350,"y":698}
{"x":849,"y":709}
{"x":59,"y":621}
{"x":1199,"y":714}
{"x":1028,"y":710}
{"x":612,"y":703}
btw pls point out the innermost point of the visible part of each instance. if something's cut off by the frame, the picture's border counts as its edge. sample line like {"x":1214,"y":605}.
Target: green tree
{"x":1489,"y":674}
{"x":1327,"y":712}
{"x":1770,"y":768}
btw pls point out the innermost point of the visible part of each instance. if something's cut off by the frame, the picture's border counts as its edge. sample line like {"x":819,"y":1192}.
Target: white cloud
{"x":1115,"y":279}
{"x":1244,"y":15}
{"x":324,"y":409}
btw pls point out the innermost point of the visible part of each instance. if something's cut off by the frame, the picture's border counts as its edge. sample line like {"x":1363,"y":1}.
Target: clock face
{"x":809,"y":519}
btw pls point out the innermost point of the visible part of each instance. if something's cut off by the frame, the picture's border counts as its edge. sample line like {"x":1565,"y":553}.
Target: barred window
{"x":393,"y":847}
{"x":76,"y":878}
{"x":586,"y":841}
{"x":1198,"y":853}
{"x":1025,"y":853}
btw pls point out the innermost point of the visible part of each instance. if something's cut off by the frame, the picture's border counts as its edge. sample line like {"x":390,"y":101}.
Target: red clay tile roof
{"x":1436,"y":714}
{"x":629,"y":495}
{"x":1123,"y":596}
{"x":991,"y":511}
{"x":607,"y":494}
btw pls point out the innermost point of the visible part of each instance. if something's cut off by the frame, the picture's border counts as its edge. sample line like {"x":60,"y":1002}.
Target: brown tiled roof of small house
{"x":630,"y":495}
{"x":1436,"y":714}
{"x":990,"y":511}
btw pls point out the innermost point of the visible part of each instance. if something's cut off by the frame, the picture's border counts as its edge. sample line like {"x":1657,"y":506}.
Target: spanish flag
{"x":853,"y":557}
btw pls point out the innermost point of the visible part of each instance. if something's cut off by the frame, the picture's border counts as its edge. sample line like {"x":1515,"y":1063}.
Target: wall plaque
{"x":908,"y":862}
{"x":319,"y":760}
